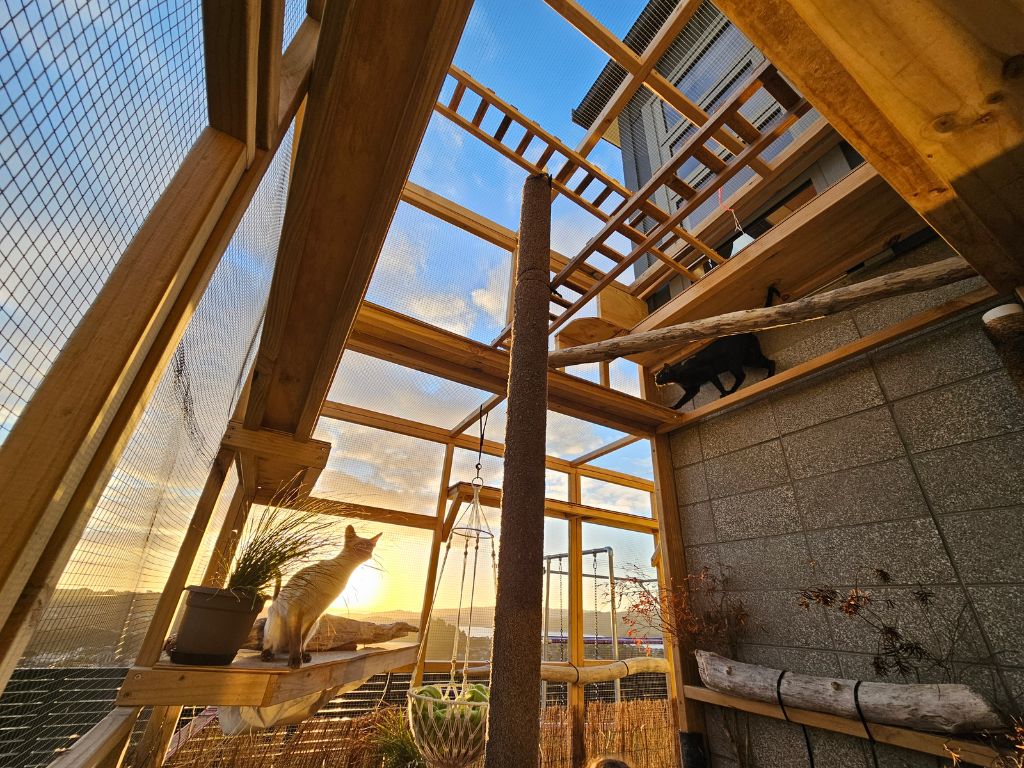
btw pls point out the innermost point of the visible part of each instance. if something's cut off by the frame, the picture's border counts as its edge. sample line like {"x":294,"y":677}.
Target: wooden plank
{"x":248,"y":681}
{"x":266,"y":443}
{"x":430,"y":583}
{"x":604,"y":450}
{"x":231,"y":38}
{"x":971,"y":752}
{"x":473,"y":417}
{"x":851,"y":221}
{"x":356,"y":511}
{"x":563,"y":510}
{"x":929,"y":94}
{"x":268,"y":91}
{"x":577,"y":652}
{"x":355,"y":415}
{"x":108,"y":736}
{"x":357,"y":146}
{"x":914,"y":324}
{"x":44,"y":578}
{"x":391,"y":336}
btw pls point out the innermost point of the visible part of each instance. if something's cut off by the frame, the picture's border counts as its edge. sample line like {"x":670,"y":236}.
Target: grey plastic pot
{"x":215,"y":625}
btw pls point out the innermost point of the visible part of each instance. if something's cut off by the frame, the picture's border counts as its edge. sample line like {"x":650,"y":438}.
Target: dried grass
{"x":639,"y":732}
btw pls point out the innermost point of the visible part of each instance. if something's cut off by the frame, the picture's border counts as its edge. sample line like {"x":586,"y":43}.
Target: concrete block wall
{"x":910,"y":459}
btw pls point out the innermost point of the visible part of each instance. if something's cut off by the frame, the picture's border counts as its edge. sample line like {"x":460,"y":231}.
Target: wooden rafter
{"x":355,"y":415}
{"x":604,"y":450}
{"x":350,"y":168}
{"x":929,"y":93}
{"x":636,"y":66}
{"x":389,"y":335}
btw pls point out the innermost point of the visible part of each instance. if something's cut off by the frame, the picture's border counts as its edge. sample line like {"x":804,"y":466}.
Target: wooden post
{"x":671,"y":566}
{"x":575,"y":691}
{"x":435,"y":555}
{"x":514,"y":716}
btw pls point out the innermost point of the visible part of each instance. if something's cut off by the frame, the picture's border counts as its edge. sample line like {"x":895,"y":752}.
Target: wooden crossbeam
{"x":563,"y":510}
{"x":604,"y":450}
{"x":231,"y":42}
{"x":639,"y":67}
{"x":350,"y":168}
{"x":354,"y":415}
{"x":388,"y":335}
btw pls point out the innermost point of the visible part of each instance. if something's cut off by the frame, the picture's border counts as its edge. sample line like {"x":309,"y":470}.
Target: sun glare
{"x":362,"y":592}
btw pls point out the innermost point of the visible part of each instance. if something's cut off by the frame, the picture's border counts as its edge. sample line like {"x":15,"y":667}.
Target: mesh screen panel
{"x":402,"y":392}
{"x":99,"y":104}
{"x":109,"y":589}
{"x":294,"y":15}
{"x":633,"y":459}
{"x":378,"y":468}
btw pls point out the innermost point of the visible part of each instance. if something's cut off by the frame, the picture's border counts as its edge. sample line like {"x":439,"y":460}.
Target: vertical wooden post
{"x":575,"y":693}
{"x":514,"y":716}
{"x":435,"y":555}
{"x":671,"y":567}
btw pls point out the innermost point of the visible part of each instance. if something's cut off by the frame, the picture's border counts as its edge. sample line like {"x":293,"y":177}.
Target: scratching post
{"x":514,"y":718}
{"x":1005,"y":327}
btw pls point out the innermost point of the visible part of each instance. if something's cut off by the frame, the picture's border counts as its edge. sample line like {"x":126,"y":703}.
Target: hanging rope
{"x":735,"y":218}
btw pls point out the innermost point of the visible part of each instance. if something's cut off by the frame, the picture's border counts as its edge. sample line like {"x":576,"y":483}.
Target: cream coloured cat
{"x":295,"y":614}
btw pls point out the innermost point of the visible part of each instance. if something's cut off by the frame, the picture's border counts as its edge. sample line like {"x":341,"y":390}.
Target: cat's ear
{"x":350,"y":533}
{"x":375,"y":538}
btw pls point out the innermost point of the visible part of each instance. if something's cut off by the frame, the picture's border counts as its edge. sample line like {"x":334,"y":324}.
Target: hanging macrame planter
{"x":449,"y":721}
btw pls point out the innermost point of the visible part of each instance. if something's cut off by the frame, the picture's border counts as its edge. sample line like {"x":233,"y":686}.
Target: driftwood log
{"x":596,"y":673}
{"x":946,"y":708}
{"x":337,"y":633}
{"x":753,"y":320}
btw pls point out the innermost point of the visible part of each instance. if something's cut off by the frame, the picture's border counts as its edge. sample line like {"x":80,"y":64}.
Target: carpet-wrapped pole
{"x":514,"y":717}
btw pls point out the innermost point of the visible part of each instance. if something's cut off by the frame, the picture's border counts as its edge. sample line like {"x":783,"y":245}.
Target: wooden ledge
{"x":968,"y":751}
{"x":248,"y":681}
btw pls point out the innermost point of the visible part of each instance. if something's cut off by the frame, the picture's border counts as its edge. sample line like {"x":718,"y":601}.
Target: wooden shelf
{"x":248,"y":681}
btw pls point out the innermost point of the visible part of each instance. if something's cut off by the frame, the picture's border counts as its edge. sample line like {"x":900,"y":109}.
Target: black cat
{"x":731,"y":353}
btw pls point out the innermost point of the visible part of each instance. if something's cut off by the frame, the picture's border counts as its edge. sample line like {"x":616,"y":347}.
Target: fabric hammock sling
{"x":449,"y":722}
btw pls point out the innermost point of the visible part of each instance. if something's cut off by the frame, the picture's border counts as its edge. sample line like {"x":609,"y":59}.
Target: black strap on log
{"x":785,"y":714}
{"x":864,"y":722}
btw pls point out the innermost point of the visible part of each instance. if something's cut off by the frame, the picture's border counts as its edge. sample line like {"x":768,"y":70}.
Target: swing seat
{"x":450,"y":731}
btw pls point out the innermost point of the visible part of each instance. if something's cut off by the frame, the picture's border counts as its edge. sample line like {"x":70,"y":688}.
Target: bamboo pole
{"x":514,"y":716}
{"x":910,"y":280}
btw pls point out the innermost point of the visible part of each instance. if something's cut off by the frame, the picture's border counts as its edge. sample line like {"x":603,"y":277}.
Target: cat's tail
{"x":277,"y":584}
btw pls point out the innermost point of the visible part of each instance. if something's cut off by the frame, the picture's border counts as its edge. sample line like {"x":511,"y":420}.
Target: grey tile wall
{"x":910,"y":460}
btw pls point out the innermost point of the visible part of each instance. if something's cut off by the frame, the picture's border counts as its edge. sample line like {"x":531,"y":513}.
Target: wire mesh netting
{"x":294,"y":15}
{"x":106,"y":596}
{"x":99,"y":105}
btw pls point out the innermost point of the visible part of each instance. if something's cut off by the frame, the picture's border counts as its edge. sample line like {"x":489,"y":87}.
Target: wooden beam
{"x":577,"y":652}
{"x":163,"y":235}
{"x":624,"y":56}
{"x":268,"y":92}
{"x":930,"y":94}
{"x":604,"y":450}
{"x":853,"y":220}
{"x":266,"y":443}
{"x":231,"y":32}
{"x":563,"y":510}
{"x":356,"y":511}
{"x":914,"y":324}
{"x":105,"y":741}
{"x":388,"y":335}
{"x":492,"y":232}
{"x":911,"y":280}
{"x":367,"y":418}
{"x":358,"y":144}
{"x":971,"y":752}
{"x":473,"y":417}
{"x":634,"y":81}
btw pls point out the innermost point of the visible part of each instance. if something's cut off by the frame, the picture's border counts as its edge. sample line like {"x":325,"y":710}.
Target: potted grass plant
{"x":217,"y":620}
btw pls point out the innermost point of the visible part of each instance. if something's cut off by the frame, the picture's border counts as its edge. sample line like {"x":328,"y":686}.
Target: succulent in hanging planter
{"x":217,"y":620}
